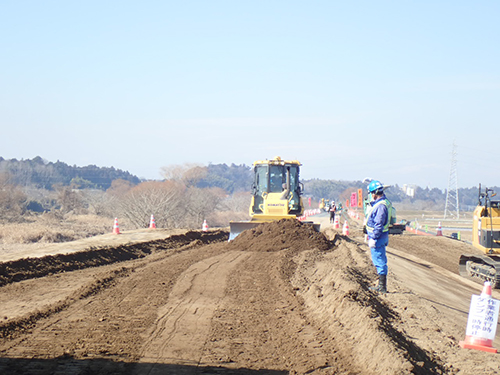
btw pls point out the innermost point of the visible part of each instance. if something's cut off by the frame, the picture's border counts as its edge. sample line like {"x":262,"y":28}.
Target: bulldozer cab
{"x":276,"y":181}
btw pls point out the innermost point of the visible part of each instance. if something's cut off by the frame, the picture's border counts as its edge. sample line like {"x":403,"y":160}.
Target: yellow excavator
{"x":485,"y":237}
{"x":276,"y":195}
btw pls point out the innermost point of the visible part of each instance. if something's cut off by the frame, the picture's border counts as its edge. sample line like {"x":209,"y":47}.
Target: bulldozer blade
{"x":236,"y":227}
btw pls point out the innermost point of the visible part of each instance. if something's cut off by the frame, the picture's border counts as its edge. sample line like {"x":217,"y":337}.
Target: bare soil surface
{"x":279,"y":299}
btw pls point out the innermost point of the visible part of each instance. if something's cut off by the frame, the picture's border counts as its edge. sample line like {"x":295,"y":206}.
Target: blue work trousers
{"x":379,"y":257}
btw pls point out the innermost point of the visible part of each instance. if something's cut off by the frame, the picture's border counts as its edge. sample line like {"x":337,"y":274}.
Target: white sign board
{"x":483,"y":317}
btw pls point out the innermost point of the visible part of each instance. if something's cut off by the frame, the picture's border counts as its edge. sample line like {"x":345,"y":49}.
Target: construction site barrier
{"x":482,"y":322}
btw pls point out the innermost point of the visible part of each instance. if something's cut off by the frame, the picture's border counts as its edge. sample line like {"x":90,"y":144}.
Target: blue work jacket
{"x":378,"y":218}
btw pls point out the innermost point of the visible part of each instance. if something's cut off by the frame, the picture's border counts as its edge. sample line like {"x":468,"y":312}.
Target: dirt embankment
{"x":279,"y":299}
{"x":28,"y":268}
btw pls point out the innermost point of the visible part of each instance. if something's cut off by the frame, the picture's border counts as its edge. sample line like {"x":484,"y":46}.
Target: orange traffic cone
{"x":336,"y":224}
{"x":482,"y":322}
{"x":439,"y":230}
{"x":204,"y":227}
{"x":486,"y":290}
{"x":116,"y":228}
{"x":152,"y":224}
{"x":345,"y":229}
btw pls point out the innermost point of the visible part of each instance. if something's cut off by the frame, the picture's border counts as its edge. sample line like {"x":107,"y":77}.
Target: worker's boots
{"x":382,"y":285}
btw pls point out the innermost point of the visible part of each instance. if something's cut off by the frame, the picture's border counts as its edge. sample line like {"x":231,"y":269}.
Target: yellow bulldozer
{"x":485,"y":237}
{"x":276,"y":195}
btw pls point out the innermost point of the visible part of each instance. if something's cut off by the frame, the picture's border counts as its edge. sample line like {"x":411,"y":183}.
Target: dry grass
{"x":54,"y":227}
{"x":49,"y":228}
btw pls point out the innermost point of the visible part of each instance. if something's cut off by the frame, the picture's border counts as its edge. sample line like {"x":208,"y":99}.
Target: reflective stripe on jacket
{"x":378,"y":217}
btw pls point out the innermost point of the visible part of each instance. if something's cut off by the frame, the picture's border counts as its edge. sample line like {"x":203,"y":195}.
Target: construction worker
{"x":377,"y":228}
{"x":332,"y":210}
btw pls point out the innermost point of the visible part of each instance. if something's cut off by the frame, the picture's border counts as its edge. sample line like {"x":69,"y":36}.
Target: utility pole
{"x":452,"y":192}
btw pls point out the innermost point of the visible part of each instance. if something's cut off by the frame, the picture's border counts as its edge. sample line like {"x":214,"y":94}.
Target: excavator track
{"x":484,"y":267}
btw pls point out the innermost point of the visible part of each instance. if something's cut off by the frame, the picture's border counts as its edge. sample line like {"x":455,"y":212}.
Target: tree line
{"x":186,"y":196}
{"x":43,"y":174}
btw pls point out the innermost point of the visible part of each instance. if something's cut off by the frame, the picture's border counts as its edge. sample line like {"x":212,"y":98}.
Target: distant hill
{"x":231,"y":178}
{"x":40,"y":173}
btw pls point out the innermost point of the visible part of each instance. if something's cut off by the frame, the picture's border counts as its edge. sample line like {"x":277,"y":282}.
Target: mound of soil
{"x":362,"y":327}
{"x":281,"y":235}
{"x":28,"y":268}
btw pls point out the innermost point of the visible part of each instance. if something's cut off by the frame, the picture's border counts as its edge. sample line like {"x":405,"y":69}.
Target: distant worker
{"x":333,"y":208}
{"x":377,"y":228}
{"x":321,"y":203}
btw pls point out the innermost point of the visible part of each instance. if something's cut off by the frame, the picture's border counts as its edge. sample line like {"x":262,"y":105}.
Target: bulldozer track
{"x":189,"y":310}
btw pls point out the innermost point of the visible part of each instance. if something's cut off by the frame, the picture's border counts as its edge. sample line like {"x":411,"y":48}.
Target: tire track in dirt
{"x":110,"y":324}
{"x":261,"y":325}
{"x":44,"y":293}
{"x":183,"y":324}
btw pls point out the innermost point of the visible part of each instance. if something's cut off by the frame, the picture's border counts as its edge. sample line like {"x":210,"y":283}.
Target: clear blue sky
{"x":352,"y":89}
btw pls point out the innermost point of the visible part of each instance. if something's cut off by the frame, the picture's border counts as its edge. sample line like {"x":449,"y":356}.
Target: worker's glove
{"x":371,"y":243}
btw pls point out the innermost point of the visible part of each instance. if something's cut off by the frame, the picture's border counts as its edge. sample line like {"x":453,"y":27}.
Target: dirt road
{"x":279,"y":299}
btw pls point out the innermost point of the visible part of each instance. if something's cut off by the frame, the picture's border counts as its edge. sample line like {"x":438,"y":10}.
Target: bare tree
{"x":97,"y":201}
{"x":188,"y":174}
{"x":232,"y":208}
{"x":114,"y":196}
{"x":70,"y":200}
{"x":201,"y":203}
{"x":163,"y":199}
{"x":194,"y":175}
{"x":12,"y":199}
{"x":119,"y":188}
{"x":238,"y":202}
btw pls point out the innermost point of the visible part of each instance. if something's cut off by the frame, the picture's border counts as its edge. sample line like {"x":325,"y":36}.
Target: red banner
{"x":354,"y":200}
